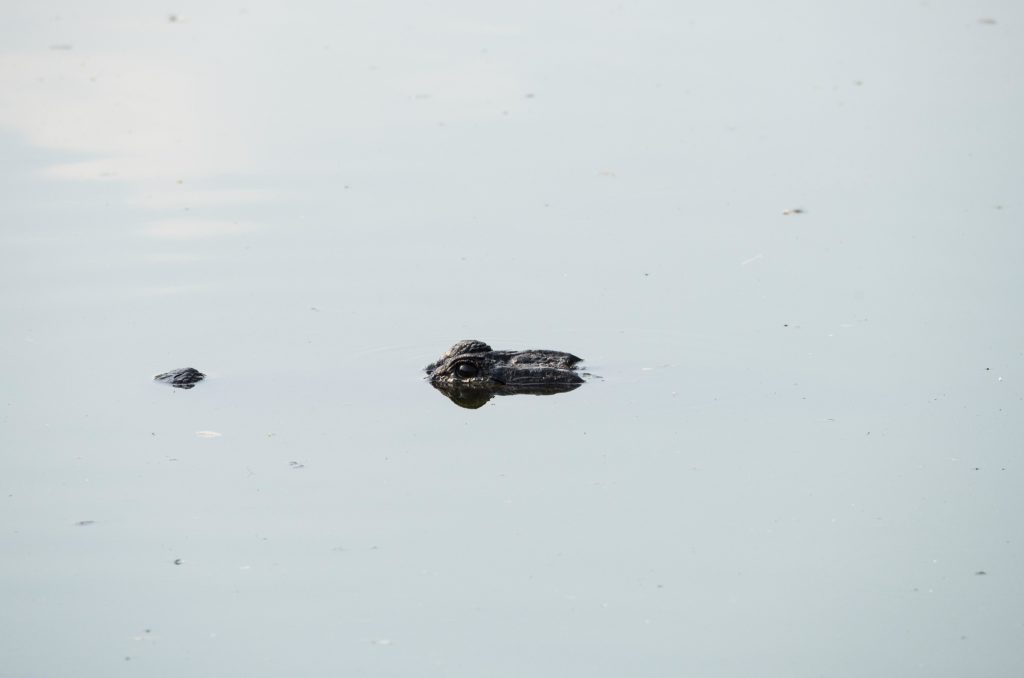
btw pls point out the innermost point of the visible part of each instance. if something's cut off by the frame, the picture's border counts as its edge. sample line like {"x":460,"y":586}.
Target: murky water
{"x":786,"y":238}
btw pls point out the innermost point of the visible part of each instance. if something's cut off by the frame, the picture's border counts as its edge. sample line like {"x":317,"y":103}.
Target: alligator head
{"x":471,"y":373}
{"x":185,"y":377}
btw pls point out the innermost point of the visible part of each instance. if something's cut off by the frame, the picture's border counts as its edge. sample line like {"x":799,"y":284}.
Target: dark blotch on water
{"x":186,"y":377}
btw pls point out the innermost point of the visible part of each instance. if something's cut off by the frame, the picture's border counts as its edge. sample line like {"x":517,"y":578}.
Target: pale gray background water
{"x":803,"y":458}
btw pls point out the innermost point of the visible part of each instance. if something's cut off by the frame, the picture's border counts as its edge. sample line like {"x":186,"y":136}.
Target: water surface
{"x":786,"y":238}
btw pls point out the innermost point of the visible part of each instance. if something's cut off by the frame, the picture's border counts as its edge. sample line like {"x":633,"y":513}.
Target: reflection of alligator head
{"x":471,"y":373}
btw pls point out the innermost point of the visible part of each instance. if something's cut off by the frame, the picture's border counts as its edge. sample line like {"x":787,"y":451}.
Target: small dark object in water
{"x":471,"y":373}
{"x":186,"y":377}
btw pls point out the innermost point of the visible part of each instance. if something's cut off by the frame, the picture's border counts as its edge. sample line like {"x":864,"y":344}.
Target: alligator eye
{"x":466,"y":370}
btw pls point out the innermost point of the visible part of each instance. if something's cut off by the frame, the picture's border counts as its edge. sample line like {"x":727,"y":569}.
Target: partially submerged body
{"x":185,"y":377}
{"x":470,"y":373}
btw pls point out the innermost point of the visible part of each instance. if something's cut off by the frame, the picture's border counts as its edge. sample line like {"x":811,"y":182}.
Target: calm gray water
{"x":802,"y":458}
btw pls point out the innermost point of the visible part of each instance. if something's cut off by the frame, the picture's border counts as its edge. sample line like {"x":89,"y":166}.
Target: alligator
{"x":470,"y":373}
{"x":186,"y":377}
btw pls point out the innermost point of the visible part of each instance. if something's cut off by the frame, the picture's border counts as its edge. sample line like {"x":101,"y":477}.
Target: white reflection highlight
{"x":170,"y":290}
{"x":170,"y":199}
{"x":138,"y":118}
{"x":195,"y":229}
